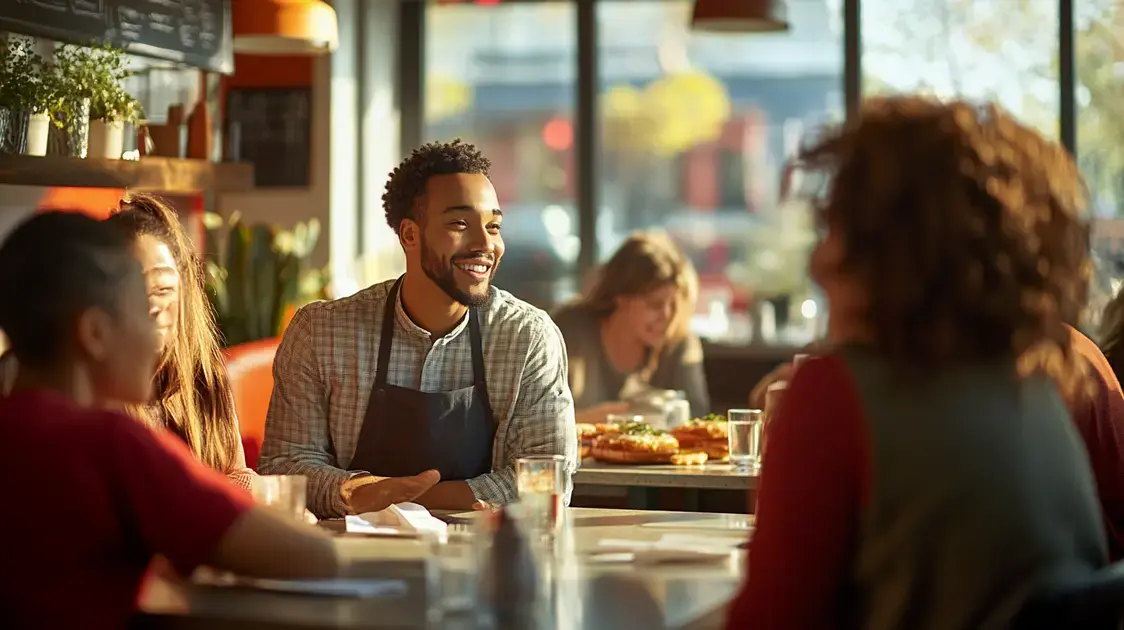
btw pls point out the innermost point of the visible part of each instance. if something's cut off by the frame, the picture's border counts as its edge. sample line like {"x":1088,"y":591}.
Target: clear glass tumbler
{"x":539,"y":480}
{"x":286,"y":493}
{"x":745,"y":431}
{"x":452,"y":576}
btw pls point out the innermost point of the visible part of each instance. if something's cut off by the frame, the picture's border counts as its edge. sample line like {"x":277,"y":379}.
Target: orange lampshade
{"x":740,"y":16}
{"x":284,"y":27}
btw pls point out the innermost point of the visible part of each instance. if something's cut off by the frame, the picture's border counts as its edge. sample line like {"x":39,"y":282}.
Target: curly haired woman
{"x":924,"y":473}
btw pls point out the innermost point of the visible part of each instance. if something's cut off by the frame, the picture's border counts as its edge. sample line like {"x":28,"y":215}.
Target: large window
{"x":1099,"y":62}
{"x":502,"y":76}
{"x":997,"y":50}
{"x":696,"y":129}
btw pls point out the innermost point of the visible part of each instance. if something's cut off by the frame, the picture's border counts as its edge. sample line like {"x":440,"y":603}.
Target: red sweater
{"x":926,"y":505}
{"x":1100,"y":421}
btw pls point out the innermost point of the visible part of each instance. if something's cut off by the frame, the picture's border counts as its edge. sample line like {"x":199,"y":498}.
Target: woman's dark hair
{"x":193,"y":396}
{"x":53,"y":266}
{"x":963,"y":225}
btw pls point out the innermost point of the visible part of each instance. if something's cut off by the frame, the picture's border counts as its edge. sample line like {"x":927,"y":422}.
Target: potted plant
{"x":75,"y":78}
{"x":24,"y":99}
{"x":261,"y":278}
{"x":111,"y":106}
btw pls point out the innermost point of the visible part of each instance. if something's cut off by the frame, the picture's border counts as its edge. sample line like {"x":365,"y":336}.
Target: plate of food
{"x":641,"y":443}
{"x":709,"y":434}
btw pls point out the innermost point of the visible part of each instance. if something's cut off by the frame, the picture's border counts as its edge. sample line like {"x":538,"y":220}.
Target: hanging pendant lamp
{"x":740,"y":16}
{"x":284,"y":27}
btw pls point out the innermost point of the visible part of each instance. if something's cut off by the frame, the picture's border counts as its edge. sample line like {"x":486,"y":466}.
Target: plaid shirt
{"x":325,"y":368}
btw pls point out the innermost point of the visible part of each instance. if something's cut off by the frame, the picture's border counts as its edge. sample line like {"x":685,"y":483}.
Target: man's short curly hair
{"x":964,"y":226}
{"x":407,"y":182}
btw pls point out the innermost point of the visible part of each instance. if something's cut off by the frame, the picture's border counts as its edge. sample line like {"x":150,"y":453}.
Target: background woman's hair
{"x":193,"y":398}
{"x":647,"y":261}
{"x":964,"y":226}
{"x":53,"y":266}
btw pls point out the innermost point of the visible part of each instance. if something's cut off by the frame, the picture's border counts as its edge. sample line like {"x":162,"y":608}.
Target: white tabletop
{"x":688,"y":595}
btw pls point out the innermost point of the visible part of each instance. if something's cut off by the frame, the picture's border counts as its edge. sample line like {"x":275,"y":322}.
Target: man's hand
{"x":382,"y":494}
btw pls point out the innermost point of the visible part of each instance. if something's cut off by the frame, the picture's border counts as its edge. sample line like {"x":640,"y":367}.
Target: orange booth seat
{"x":250,"y":367}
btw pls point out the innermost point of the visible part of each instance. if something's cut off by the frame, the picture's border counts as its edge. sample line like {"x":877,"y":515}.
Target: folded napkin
{"x":669,"y":548}
{"x":401,"y":519}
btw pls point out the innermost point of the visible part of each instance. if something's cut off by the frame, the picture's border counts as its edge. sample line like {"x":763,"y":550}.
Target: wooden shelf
{"x":156,"y":174}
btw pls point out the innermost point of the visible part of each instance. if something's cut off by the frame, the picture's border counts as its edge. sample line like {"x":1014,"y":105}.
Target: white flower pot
{"x":106,"y":140}
{"x":38,"y":128}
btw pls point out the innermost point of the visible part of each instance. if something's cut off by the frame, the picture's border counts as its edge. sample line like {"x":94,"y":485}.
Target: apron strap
{"x":478,"y":375}
{"x":386,"y":337}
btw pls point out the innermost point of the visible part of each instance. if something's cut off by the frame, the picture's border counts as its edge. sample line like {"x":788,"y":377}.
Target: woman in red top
{"x":77,"y":314}
{"x":924,"y":472}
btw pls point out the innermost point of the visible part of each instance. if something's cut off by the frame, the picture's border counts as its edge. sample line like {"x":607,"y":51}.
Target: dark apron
{"x":407,"y":431}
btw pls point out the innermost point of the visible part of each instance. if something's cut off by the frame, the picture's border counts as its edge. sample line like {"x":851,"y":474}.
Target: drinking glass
{"x":451,"y":579}
{"x":539,"y":480}
{"x":286,"y":493}
{"x":745,"y":428}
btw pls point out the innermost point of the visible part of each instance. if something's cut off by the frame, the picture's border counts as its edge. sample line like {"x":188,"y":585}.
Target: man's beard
{"x":443,"y":275}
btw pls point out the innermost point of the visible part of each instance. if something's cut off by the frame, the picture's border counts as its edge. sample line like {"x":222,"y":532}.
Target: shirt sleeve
{"x":297,"y":440}
{"x":179,"y":508}
{"x":542,"y":421}
{"x":812,"y":486}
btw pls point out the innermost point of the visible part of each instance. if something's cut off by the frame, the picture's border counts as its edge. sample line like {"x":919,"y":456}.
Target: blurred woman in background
{"x":192,"y":395}
{"x":632,"y":330}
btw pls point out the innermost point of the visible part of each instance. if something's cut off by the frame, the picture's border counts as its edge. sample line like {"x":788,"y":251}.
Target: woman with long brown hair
{"x":192,"y":396}
{"x":632,"y":329}
{"x":923,"y":472}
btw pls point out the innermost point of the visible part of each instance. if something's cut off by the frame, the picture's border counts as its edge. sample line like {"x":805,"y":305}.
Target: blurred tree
{"x":1007,"y":51}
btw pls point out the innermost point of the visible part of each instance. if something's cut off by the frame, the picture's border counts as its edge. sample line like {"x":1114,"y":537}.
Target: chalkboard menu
{"x":271,"y":128}
{"x":195,"y":32}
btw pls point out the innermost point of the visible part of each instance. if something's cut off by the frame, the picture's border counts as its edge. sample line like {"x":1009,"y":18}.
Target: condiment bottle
{"x":510,"y":577}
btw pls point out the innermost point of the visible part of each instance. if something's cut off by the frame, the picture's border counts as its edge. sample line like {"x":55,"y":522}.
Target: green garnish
{"x":639,"y":428}
{"x":712,"y":417}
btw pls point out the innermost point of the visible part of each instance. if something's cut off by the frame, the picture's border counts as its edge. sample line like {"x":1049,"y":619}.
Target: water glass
{"x":541,"y":485}
{"x":286,"y":493}
{"x":745,"y":430}
{"x":451,"y":579}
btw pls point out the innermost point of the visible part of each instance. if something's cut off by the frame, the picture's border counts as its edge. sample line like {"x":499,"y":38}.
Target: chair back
{"x":250,"y":369}
{"x":1095,"y":602}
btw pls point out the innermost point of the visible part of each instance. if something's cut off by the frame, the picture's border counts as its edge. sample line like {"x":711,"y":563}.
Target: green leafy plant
{"x":22,"y":86}
{"x":94,"y":73}
{"x":256,"y":273}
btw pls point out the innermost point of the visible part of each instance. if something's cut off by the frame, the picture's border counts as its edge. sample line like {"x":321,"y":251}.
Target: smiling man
{"x":436,"y":370}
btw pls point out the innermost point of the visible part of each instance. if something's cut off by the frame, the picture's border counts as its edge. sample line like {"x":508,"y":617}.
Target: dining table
{"x":619,"y":593}
{"x":643,"y":484}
